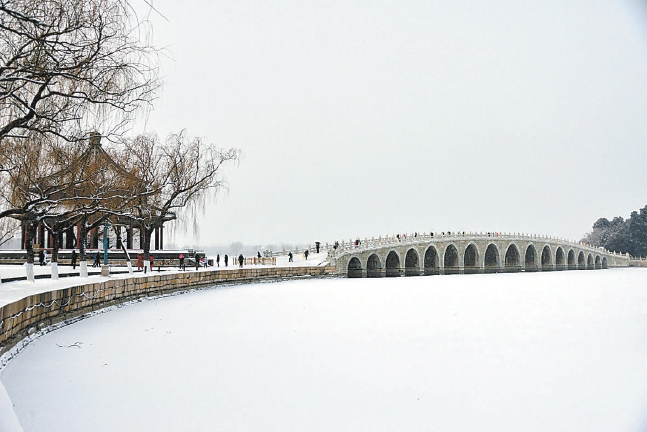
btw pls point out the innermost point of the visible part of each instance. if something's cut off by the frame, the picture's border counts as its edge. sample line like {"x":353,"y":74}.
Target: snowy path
{"x":12,"y":291}
{"x":559,"y":351}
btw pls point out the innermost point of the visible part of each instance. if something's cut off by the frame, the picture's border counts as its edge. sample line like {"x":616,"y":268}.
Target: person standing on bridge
{"x":306,"y":253}
{"x":182,"y":261}
{"x":240,"y":260}
{"x":290,"y":257}
{"x":218,"y":260}
{"x":226,"y":260}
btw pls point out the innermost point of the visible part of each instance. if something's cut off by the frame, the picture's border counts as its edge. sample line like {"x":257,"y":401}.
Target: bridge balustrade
{"x":467,"y":252}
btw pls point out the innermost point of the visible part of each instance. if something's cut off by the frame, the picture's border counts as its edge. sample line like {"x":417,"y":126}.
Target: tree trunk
{"x":83,"y":240}
{"x":146,"y":247}
{"x":120,"y":244}
{"x":29,"y":243}
{"x":29,"y":246}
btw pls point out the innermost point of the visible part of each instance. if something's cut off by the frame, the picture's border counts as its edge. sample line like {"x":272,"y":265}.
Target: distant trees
{"x":620,"y":235}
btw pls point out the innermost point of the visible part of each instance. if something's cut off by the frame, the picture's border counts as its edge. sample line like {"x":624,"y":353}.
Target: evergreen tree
{"x":620,"y":235}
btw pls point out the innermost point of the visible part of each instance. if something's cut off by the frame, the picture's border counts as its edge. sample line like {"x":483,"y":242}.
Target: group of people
{"x":241,"y":260}
{"x":140,"y":261}
{"x":198,"y":261}
{"x":42,"y":258}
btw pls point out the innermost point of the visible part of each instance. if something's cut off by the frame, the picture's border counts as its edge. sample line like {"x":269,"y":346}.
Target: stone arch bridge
{"x":461,"y":253}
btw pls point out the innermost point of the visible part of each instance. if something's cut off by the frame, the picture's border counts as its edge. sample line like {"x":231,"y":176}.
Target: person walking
{"x":152,"y":260}
{"x":41,"y":258}
{"x":182,"y":261}
{"x":218,"y":260}
{"x":74,"y":256}
{"x":226,"y":260}
{"x":96,"y":260}
{"x":290,"y":257}
{"x":197,"y":262}
{"x":306,"y":253}
{"x":140,"y":261}
{"x":240,"y":260}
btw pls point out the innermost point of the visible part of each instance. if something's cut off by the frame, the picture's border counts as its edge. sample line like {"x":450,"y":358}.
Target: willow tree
{"x":67,"y":66}
{"x":32,"y":187}
{"x":179,"y":174}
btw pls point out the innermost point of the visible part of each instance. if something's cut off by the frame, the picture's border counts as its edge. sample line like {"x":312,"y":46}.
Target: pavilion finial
{"x":95,"y":139}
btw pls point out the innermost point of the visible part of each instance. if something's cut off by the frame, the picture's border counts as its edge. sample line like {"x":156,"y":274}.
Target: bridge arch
{"x":546,"y":258}
{"x":412,"y":263}
{"x":590,"y":264}
{"x":605,"y":263}
{"x":512,"y":258}
{"x":560,"y":262}
{"x":392,"y":264}
{"x":450,"y":259}
{"x":571,"y":260}
{"x":491,"y":259}
{"x":374,"y":266}
{"x":354,"y":268}
{"x":581,"y":263}
{"x":471,"y":259}
{"x":431,"y":261}
{"x":598,"y":262}
{"x":530,"y":258}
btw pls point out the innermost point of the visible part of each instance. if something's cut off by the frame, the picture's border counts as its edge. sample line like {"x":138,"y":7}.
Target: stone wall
{"x":23,"y":317}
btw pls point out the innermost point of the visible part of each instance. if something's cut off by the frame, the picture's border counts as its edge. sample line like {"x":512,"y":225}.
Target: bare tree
{"x":8,"y":230}
{"x":68,"y":66}
{"x":179,"y":174}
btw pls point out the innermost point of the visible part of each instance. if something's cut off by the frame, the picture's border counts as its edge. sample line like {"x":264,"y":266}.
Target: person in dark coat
{"x":306,"y":253}
{"x":96,"y":262}
{"x":290,"y":256}
{"x":74,"y":255}
{"x":197,"y":262}
{"x":218,"y":260}
{"x":226,"y":260}
{"x":317,"y":246}
{"x":41,"y":257}
{"x":240,"y":260}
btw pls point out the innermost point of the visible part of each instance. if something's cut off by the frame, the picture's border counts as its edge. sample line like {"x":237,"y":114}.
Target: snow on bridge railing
{"x":388,"y":240}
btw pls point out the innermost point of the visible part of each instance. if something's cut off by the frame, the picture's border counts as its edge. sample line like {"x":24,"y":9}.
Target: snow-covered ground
{"x":12,"y":291}
{"x":560,"y":351}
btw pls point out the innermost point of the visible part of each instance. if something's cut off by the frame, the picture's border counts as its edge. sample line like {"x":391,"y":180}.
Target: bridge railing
{"x":358,"y":245}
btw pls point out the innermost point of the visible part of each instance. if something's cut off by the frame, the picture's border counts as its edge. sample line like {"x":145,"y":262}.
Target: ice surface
{"x":559,"y":351}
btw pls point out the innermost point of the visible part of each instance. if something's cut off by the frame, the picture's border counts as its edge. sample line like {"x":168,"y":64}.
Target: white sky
{"x":361,"y":118}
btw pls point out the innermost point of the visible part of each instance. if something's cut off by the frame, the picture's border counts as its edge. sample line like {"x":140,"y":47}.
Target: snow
{"x":13,"y":291}
{"x":558,"y":351}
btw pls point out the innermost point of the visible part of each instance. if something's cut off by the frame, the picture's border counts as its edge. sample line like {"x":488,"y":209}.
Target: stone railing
{"x":404,"y":239}
{"x":34,"y":312}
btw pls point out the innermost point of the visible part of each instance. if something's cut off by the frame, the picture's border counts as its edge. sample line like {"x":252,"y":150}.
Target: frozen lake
{"x":560,"y":351}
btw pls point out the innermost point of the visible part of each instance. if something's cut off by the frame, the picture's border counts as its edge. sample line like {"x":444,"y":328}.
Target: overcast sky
{"x":366,"y":118}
